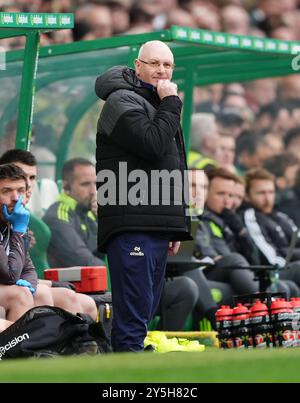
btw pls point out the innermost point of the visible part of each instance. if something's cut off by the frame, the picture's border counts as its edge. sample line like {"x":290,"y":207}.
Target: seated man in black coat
{"x":270,"y":230}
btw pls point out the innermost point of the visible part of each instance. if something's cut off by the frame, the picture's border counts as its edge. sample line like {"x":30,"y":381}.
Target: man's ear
{"x":137,"y":64}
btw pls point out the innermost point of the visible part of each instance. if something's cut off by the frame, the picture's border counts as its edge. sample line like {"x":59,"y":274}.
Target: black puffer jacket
{"x":143,"y":133}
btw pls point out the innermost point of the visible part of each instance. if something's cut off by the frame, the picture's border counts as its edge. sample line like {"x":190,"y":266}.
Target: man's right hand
{"x":166,"y":88}
{"x":25,"y":283}
{"x":233,"y":220}
{"x":19,"y":217}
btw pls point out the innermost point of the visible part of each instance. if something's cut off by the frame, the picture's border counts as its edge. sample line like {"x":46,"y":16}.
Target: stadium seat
{"x":38,"y":252}
{"x":48,"y":193}
{"x":44,"y":194}
{"x":34,"y":205}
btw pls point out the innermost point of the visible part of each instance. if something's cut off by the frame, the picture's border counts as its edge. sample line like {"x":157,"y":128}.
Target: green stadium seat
{"x":38,"y":252}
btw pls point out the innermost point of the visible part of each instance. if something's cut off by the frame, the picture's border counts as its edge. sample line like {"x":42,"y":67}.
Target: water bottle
{"x":282,"y":317}
{"x":261,"y":326}
{"x":224,"y":327}
{"x":241,"y":327}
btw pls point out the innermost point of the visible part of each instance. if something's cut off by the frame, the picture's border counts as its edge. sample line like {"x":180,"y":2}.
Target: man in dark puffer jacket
{"x":138,"y":136}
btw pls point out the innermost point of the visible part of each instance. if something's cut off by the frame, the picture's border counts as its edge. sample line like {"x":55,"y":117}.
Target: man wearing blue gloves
{"x":62,"y":297}
{"x":25,"y":283}
{"x":18,"y":279}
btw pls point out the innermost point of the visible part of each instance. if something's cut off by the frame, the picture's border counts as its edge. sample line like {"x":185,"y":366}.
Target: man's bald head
{"x":154,"y":48}
{"x":155,"y":62}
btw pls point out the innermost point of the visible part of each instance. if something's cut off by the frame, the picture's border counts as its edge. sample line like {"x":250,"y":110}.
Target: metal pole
{"x":188,"y":105}
{"x":26,"y":100}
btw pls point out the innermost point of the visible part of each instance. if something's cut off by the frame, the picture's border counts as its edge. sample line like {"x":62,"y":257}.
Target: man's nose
{"x":93,"y":190}
{"x":161,"y":68}
{"x":15,"y":196}
{"x":269,"y":199}
{"x":228,"y":202}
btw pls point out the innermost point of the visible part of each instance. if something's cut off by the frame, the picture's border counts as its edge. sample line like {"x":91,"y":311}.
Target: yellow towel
{"x":164,"y":345}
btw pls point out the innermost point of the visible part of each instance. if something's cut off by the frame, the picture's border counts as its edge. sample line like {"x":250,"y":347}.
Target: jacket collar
{"x":73,"y":204}
{"x":68,"y":200}
{"x":149,"y":86}
{"x":212,"y":216}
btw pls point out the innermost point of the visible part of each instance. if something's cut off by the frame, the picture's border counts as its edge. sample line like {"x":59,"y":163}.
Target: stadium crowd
{"x":104,"y":18}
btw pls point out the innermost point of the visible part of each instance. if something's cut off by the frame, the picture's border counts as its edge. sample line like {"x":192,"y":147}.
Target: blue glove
{"x":25,"y":283}
{"x":19,"y":218}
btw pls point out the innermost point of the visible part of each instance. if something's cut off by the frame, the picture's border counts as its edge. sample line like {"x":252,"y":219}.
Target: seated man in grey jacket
{"x":222,"y":237}
{"x":271,"y":231}
{"x":61,"y":297}
{"x":19,"y":289}
{"x":72,"y":218}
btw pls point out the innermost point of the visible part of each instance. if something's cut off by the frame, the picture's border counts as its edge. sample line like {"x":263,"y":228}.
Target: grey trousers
{"x":178,"y":300}
{"x":241,"y":280}
{"x":205,"y":301}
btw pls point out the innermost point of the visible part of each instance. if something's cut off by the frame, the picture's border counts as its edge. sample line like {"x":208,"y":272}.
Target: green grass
{"x":277,"y":365}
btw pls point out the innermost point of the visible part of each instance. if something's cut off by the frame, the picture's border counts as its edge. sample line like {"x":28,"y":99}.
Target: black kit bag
{"x":105,"y":311}
{"x":47,"y":331}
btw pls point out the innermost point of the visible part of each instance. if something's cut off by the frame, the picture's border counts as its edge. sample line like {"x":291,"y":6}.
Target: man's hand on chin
{"x":166,"y":88}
